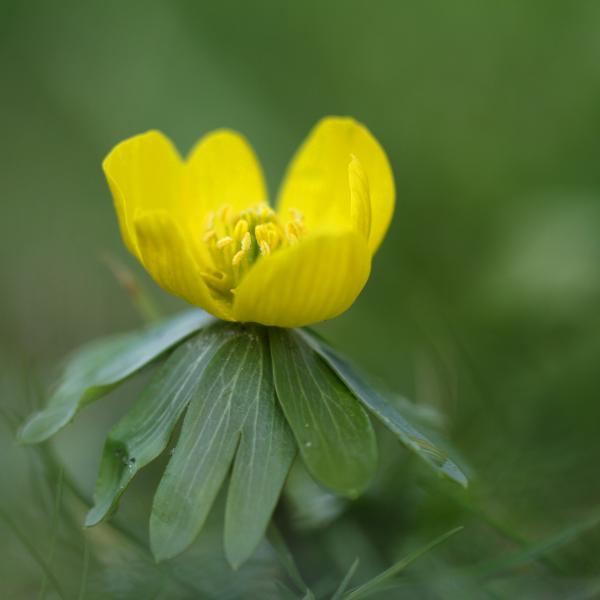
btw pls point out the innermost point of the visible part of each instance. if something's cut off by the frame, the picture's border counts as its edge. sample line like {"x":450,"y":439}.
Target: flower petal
{"x":169,"y":258}
{"x":143,"y":173}
{"x":360,"y":197}
{"x":316,"y":279}
{"x":317,"y":179}
{"x":223,"y":169}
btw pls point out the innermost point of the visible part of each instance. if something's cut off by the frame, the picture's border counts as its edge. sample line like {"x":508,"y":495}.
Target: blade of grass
{"x":285,"y":557}
{"x":147,"y":309}
{"x":346,"y":581}
{"x":369,"y":587}
{"x":51,"y":462}
{"x":33,"y":552}
{"x":509,"y":532}
{"x":54,"y":528}
{"x":86,"y":566}
{"x":537,"y":550}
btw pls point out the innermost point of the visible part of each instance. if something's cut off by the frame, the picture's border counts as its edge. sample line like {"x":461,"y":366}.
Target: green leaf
{"x":262,"y":462}
{"x":101,"y":365}
{"x":535,"y":551}
{"x":229,"y":388}
{"x":286,"y":558}
{"x":387,"y":413}
{"x":371,"y":586}
{"x":334,"y":434}
{"x":34,"y":552}
{"x":338,"y":594}
{"x":143,"y":433}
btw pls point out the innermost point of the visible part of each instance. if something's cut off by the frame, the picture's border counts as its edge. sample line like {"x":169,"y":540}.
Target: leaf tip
{"x":158,"y":553}
{"x":235,"y":563}
{"x":31,"y":433}
{"x":237,"y":551}
{"x":453,"y":472}
{"x":94,"y":516}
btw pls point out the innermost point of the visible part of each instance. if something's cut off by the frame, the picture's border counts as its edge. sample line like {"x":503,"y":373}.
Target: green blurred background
{"x":482,"y":305}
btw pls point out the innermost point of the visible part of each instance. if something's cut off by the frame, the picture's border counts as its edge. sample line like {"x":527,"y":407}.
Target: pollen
{"x":236,"y":240}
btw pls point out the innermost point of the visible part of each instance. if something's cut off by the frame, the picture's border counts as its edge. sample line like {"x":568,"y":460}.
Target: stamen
{"x":296,"y":215}
{"x":240,"y":229}
{"x":274,"y":238}
{"x":265,"y":249}
{"x":237,"y":258}
{"x":217,"y":280}
{"x":224,"y":212}
{"x":235,"y":240}
{"x":211,"y":233}
{"x":293,"y":231}
{"x":214,"y":276}
{"x":246,"y":245}
{"x":246,"y":242}
{"x":260,"y":232}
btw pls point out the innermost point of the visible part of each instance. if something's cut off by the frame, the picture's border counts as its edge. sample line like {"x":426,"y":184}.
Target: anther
{"x":235,"y":240}
{"x":224,"y":241}
{"x":265,"y":249}
{"x":216,"y":279}
{"x":209,"y":235}
{"x":240,"y":229}
{"x":293,"y":231}
{"x":224,"y":212}
{"x":260,"y":232}
{"x":296,"y":215}
{"x":274,"y":238}
{"x":237,"y":258}
{"x":246,"y":245}
{"x":246,"y":242}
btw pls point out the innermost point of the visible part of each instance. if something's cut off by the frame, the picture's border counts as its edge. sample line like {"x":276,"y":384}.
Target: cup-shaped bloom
{"x":203,"y":228}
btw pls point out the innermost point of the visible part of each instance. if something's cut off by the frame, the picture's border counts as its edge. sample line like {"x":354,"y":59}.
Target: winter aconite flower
{"x":250,"y":397}
{"x":203,"y":227}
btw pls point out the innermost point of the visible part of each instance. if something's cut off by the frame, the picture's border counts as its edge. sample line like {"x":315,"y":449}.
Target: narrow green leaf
{"x":286,"y":558}
{"x":334,"y":434}
{"x":368,"y":588}
{"x":85,"y":570}
{"x":346,"y":581}
{"x":143,"y":433}
{"x":262,"y":462}
{"x":387,"y":413}
{"x":537,"y":550}
{"x":228,"y":389}
{"x":32,"y":548}
{"x":99,"y":366}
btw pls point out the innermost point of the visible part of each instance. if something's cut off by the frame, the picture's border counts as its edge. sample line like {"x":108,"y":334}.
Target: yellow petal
{"x":313,"y":280}
{"x":143,"y":173}
{"x":223,"y":169}
{"x":317,"y":179}
{"x":360,"y":200}
{"x":170,"y":259}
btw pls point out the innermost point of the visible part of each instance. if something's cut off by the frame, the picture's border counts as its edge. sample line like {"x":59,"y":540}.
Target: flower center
{"x":235,"y":240}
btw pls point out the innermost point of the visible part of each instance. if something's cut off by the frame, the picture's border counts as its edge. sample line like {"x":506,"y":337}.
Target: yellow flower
{"x":204,"y":230}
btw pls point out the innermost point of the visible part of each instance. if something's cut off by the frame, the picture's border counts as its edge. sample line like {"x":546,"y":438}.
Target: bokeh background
{"x":483,"y":305}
